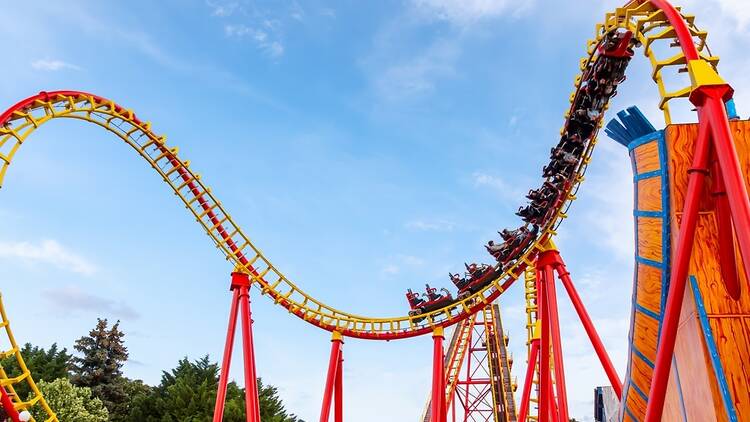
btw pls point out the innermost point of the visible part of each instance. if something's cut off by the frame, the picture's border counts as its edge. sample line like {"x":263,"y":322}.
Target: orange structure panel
{"x":711,"y":367}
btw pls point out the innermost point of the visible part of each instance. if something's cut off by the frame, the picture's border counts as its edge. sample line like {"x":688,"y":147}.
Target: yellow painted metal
{"x":9,"y":382}
{"x":648,"y":25}
{"x":533,"y":332}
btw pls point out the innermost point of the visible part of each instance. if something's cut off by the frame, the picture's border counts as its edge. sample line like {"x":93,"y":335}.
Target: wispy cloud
{"x":71,"y":298}
{"x":399,"y":262}
{"x":498,"y":184}
{"x":466,"y":12}
{"x":53,"y":65}
{"x":418,"y":75}
{"x":48,"y":252}
{"x":222,"y":8}
{"x":260,"y":37}
{"x":431,"y":225}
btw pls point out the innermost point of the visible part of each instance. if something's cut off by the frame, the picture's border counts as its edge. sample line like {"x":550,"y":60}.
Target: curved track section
{"x":8,"y":381}
{"x":648,"y":24}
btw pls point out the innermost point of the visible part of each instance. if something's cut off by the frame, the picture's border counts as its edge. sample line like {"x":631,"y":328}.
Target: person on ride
{"x":458,"y":281}
{"x":414,"y":299}
{"x":432,"y":294}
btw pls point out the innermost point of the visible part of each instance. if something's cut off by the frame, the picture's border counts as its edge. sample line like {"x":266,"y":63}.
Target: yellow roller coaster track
{"x":8,"y":383}
{"x":647,"y":23}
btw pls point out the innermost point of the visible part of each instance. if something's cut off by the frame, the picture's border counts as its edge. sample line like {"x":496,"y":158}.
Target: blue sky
{"x":367,"y":147}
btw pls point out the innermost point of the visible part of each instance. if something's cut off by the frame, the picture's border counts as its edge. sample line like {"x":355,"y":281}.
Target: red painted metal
{"x":583,"y":315}
{"x":226,"y":362}
{"x":338,"y":398}
{"x":727,"y":256}
{"x":438,"y":411}
{"x":557,"y":351}
{"x":7,"y":404}
{"x":240,"y":306}
{"x":205,"y":206}
{"x":678,"y":278}
{"x":545,"y":379}
{"x":251,"y":379}
{"x":332,"y":379}
{"x":527,"y":384}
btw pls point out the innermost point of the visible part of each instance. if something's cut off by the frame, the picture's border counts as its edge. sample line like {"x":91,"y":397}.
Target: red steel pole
{"x":7,"y":404}
{"x":527,"y":384}
{"x":562,"y":393}
{"x":678,"y":279}
{"x":338,"y":403}
{"x":331,"y":378}
{"x":438,"y":377}
{"x":251,"y":380}
{"x":226,"y":362}
{"x":727,"y":256}
{"x":544,"y":368}
{"x":710,"y":101}
{"x":583,"y":315}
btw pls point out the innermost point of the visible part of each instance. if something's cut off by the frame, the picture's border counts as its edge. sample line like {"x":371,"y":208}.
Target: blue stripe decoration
{"x":647,"y":175}
{"x":642,"y":309}
{"x":654,"y":214}
{"x":649,"y":262}
{"x":679,"y":388}
{"x":640,"y":392}
{"x":630,"y":414}
{"x":716,"y":363}
{"x":643,"y":357}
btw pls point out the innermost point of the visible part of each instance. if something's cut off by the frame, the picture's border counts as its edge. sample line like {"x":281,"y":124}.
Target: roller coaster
{"x":692,"y":228}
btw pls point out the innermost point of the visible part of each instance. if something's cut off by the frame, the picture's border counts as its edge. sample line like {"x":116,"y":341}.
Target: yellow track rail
{"x":649,"y":26}
{"x":8,"y":382}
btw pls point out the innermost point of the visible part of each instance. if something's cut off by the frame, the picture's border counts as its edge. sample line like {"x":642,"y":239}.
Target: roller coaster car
{"x":433,"y":301}
{"x":618,"y":45}
{"x":477,"y":277}
{"x":515,"y":242}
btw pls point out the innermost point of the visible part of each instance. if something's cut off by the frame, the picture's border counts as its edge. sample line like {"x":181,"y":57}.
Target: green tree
{"x":188,"y":393}
{"x":70,"y":403}
{"x":99,"y":366}
{"x":47,"y":365}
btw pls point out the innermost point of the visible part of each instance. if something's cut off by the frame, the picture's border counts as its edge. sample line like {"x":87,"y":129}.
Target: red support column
{"x":240,"y":306}
{"x":226,"y":362}
{"x":251,"y":379}
{"x":7,"y":404}
{"x":678,"y":278}
{"x":544,"y":365}
{"x":438,"y":412}
{"x":583,"y":315}
{"x":333,"y":379}
{"x":523,"y":411}
{"x":338,"y":403}
{"x":727,"y":256}
{"x":562,"y":393}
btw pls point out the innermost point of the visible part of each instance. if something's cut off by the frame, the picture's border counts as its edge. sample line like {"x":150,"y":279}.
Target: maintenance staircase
{"x":477,"y":359}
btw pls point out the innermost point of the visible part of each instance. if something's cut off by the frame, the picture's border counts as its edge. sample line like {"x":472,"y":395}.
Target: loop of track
{"x":648,"y":23}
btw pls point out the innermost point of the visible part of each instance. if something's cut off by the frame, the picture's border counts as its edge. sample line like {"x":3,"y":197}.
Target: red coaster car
{"x":432,"y":300}
{"x":476,"y":278}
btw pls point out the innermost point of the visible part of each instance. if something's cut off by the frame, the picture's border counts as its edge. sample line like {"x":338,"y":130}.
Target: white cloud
{"x":431,"y":225}
{"x":48,"y":252}
{"x":506,"y":190}
{"x":261,"y":38}
{"x":399,"y":262}
{"x":222,"y":9}
{"x":418,"y":75}
{"x":465,"y":12}
{"x":74,"y":298}
{"x":53,"y":65}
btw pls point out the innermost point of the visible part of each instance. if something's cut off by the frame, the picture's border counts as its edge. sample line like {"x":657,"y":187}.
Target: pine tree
{"x":99,"y":367}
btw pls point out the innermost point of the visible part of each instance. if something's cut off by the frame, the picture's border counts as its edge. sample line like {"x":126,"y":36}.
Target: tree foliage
{"x":99,"y":366}
{"x":46,"y":365}
{"x":188,"y":393}
{"x":70,"y":403}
